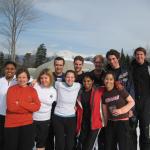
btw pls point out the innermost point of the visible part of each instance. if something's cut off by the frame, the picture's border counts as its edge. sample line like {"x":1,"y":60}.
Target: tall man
{"x":122,"y":74}
{"x":141,"y":78}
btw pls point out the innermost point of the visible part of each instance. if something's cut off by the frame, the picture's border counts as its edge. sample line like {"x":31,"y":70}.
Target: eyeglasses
{"x":97,"y":62}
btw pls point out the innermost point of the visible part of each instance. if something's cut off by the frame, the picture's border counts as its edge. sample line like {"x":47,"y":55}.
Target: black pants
{"x":117,"y":132}
{"x":50,"y":139}
{"x":101,"y":140}
{"x":2,"y":121}
{"x":143,"y":116}
{"x":144,"y":137}
{"x":20,"y":138}
{"x":64,"y":131}
{"x":50,"y":144}
{"x":41,"y":132}
{"x":144,"y":140}
{"x":87,"y":139}
{"x":133,"y":133}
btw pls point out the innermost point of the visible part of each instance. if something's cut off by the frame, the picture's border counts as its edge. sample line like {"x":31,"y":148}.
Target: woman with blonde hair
{"x":47,"y":95}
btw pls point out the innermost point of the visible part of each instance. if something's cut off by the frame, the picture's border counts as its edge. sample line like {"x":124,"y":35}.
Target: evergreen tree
{"x":28,"y":60}
{"x":17,"y":60}
{"x":122,"y":58}
{"x":40,"y":57}
{"x":1,"y":63}
{"x":127,"y":63}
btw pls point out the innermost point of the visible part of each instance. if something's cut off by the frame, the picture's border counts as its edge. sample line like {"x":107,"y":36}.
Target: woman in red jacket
{"x":22,"y":101}
{"x":89,"y":114}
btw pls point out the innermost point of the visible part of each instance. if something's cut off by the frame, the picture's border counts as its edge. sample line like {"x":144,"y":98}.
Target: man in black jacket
{"x":122,"y":74}
{"x":141,"y":78}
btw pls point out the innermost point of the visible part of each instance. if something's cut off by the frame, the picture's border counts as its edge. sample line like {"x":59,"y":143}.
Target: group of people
{"x":76,"y":109}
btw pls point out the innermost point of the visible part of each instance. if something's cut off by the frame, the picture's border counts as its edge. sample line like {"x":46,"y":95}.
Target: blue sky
{"x":88,"y":26}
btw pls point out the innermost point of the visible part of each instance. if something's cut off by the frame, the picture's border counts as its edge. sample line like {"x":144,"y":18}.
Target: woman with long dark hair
{"x":89,"y":113}
{"x":116,"y":107}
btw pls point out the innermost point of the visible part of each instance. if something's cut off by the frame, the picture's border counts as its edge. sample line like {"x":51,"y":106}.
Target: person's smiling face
{"x":22,"y":79}
{"x":10,"y":71}
{"x":109,"y":82}
{"x":70,"y":78}
{"x":113,"y":61}
{"x":140,"y":57}
{"x":87,"y":83}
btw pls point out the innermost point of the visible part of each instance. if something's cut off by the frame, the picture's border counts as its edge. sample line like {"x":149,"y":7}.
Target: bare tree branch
{"x":16,"y":14}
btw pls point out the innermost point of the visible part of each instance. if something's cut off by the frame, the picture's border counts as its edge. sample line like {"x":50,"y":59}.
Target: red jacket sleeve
{"x":31,"y":106}
{"x":12,"y":102}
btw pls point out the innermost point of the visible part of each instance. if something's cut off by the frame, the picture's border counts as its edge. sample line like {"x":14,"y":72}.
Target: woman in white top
{"x":47,"y":95}
{"x":5,"y":82}
{"x":64,"y":115}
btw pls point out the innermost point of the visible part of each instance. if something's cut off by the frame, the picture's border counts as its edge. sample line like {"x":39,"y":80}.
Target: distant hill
{"x":68,"y":54}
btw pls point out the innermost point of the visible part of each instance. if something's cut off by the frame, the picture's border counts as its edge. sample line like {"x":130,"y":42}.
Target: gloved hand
{"x":133,"y":121}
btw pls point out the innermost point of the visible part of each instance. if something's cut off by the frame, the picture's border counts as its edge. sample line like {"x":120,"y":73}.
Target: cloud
{"x":108,"y":20}
{"x":90,"y":25}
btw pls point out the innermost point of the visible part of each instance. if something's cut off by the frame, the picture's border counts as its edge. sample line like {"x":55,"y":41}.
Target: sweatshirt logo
{"x":124,"y":75}
{"x":110,"y":99}
{"x":51,"y":96}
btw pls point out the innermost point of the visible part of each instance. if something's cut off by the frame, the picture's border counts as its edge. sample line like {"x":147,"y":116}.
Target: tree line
{"x":30,"y":60}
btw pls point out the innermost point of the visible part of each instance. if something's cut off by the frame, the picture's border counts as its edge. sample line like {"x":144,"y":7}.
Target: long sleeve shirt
{"x":4,"y":85}
{"x":66,"y":98}
{"x":21,"y":103}
{"x":47,"y":96}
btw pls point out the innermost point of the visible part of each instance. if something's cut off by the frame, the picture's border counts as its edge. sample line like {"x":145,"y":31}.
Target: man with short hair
{"x":78,"y":66}
{"x":122,"y":74}
{"x":58,"y":74}
{"x":141,"y":77}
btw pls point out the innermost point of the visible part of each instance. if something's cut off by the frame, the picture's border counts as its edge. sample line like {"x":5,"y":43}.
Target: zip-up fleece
{"x":97,"y":120}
